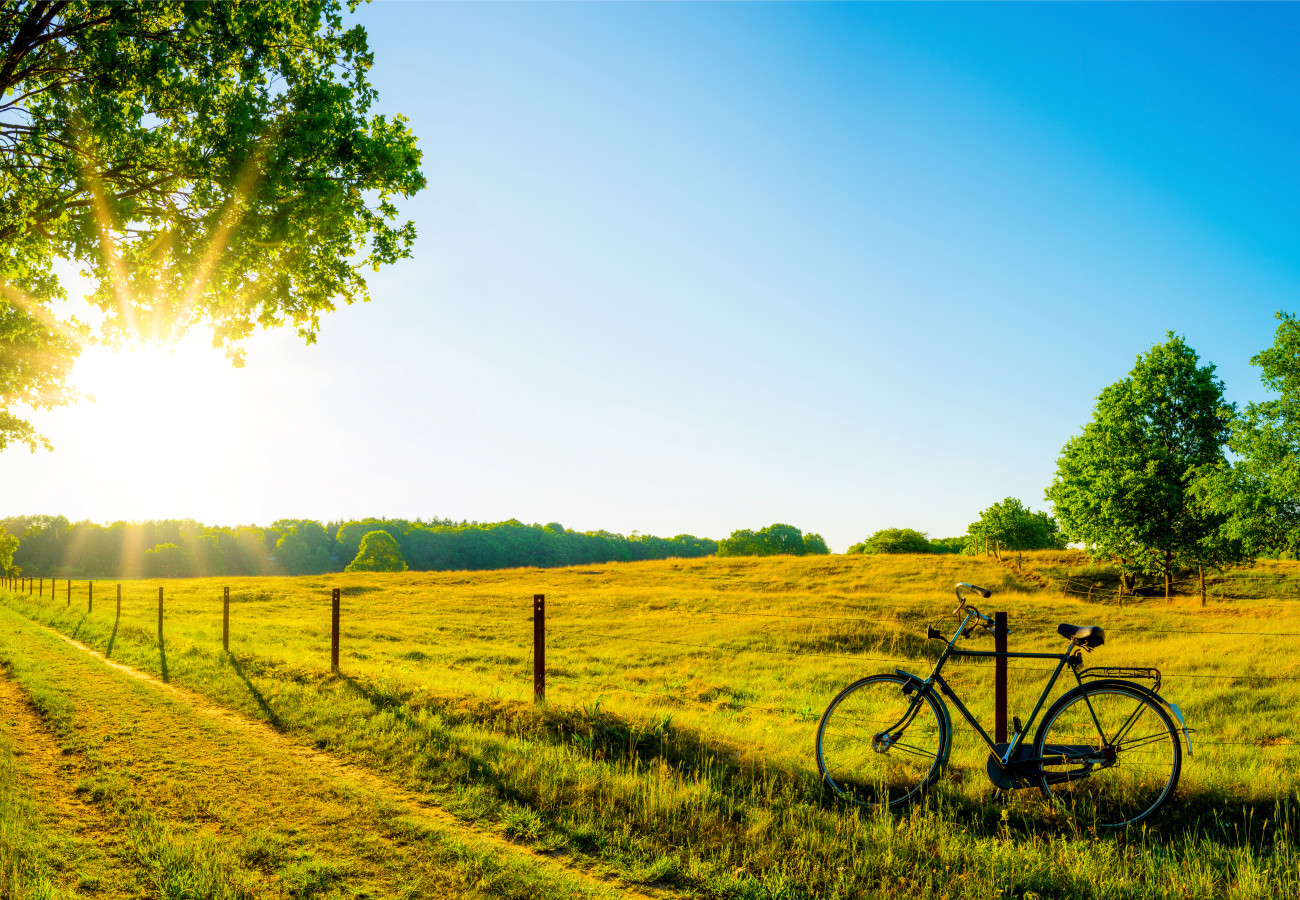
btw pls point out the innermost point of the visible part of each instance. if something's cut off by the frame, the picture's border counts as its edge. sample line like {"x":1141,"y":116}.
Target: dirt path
{"x":49,"y":777}
{"x":410,"y":804}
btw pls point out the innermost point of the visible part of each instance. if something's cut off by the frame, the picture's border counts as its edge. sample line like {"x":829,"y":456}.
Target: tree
{"x":378,"y":553}
{"x":815,"y":545}
{"x":1012,"y":526}
{"x":1258,"y":494}
{"x":776,"y":539}
{"x":303,"y":548}
{"x":949,"y":545}
{"x":202,"y":162}
{"x":167,"y":561}
{"x":8,"y":544}
{"x":1124,"y":487}
{"x":894,"y":540}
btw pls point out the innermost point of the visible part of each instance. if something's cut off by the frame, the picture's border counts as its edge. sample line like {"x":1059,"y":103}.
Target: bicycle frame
{"x":1004,"y":757}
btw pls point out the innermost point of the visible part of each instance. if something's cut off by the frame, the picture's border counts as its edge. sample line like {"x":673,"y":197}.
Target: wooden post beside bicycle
{"x":1000,"y":677}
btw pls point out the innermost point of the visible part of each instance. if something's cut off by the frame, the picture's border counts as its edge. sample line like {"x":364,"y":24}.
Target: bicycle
{"x":1106,"y":751}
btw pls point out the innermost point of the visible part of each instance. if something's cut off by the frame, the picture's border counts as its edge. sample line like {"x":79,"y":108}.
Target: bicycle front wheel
{"x":1110,"y":752}
{"x":882,"y":742}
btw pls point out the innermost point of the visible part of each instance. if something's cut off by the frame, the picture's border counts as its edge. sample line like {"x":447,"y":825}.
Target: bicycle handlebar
{"x":980,"y":618}
{"x":983,"y":592}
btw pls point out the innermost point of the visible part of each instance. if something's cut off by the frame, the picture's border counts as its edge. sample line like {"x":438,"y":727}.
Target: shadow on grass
{"x":112,"y":638}
{"x":600,"y":734}
{"x":276,"y":722}
{"x":1212,"y":816}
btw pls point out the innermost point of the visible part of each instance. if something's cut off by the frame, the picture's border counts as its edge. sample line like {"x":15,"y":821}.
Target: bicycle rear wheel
{"x":1111,"y":754}
{"x":882,"y":742}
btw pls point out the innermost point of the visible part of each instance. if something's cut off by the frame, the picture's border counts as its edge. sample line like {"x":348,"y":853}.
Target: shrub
{"x":773,"y":540}
{"x":378,"y":553}
{"x":894,"y":540}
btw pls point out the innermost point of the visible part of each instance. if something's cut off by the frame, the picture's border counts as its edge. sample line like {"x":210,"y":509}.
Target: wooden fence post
{"x":69,"y":591}
{"x":225,"y":619}
{"x":90,"y":604}
{"x":1000,"y":677}
{"x":40,"y":591}
{"x":119,"y":601}
{"x":334,"y":632}
{"x":539,"y":648}
{"x":160,"y":605}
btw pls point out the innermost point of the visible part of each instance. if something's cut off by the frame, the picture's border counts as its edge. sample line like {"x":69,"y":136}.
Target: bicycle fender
{"x":1182,"y":723}
{"x":920,"y":685}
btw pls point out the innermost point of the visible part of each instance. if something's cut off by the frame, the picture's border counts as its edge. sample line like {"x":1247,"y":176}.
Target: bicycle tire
{"x":1117,"y":776}
{"x":863,"y":765}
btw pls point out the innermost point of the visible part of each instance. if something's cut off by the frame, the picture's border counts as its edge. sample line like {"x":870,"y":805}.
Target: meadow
{"x":674,"y":752}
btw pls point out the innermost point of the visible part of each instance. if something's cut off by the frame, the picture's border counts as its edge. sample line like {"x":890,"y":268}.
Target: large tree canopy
{"x":201,"y":162}
{"x":1123,"y":487}
{"x":1259,"y":494}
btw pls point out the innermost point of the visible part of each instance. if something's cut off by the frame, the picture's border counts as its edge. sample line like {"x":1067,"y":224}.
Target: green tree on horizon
{"x":776,"y":539}
{"x":1125,"y":486}
{"x":378,"y":553}
{"x":8,"y":546}
{"x":894,"y":540}
{"x":1013,"y":526}
{"x":1258,"y":493}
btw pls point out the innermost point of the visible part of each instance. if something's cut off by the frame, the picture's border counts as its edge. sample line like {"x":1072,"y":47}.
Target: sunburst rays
{"x":167,"y":329}
{"x":40,"y":313}
{"x":232,"y":213}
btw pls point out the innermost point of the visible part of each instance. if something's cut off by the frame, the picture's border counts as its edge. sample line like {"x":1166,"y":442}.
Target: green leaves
{"x":378,"y":553}
{"x":1124,"y":486}
{"x":893,"y":540}
{"x":1013,"y":526}
{"x":203,"y":163}
{"x":1259,"y":494}
{"x":777,"y":539}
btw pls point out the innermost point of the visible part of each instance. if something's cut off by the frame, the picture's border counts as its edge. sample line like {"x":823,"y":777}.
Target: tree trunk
{"x":1201,"y":570}
{"x":1169,"y":576}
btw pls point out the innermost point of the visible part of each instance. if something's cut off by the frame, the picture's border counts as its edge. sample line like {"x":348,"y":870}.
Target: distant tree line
{"x":53,"y":546}
{"x":1006,"y":525}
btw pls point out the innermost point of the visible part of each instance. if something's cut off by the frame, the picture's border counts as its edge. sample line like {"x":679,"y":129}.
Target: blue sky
{"x":694,"y":268}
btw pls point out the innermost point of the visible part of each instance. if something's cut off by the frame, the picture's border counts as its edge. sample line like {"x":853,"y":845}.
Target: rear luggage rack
{"x":1123,"y":672}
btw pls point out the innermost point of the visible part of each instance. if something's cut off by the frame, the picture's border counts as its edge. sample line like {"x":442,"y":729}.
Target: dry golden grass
{"x":676,"y":747}
{"x":747,"y":650}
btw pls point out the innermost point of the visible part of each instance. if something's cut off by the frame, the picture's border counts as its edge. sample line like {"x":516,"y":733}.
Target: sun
{"x":158,"y":416}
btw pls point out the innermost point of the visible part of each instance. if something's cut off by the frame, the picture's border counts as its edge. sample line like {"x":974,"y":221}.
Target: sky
{"x":691,"y":268}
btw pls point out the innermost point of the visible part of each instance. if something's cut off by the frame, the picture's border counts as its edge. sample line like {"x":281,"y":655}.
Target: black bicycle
{"x":1107,"y":752}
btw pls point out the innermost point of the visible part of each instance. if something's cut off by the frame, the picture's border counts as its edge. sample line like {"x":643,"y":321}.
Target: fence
{"x":35,"y":588}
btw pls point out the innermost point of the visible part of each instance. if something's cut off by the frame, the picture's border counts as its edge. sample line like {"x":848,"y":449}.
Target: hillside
{"x":674,"y":753}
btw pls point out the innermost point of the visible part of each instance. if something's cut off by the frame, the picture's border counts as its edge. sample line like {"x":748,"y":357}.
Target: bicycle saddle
{"x":1084,"y":635}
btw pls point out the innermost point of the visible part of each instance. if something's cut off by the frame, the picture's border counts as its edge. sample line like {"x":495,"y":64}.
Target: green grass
{"x":676,"y":746}
{"x":185,"y":806}
{"x":26,"y":869}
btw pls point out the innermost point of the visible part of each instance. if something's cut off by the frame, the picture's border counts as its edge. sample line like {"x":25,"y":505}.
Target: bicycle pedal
{"x":1015,"y":721}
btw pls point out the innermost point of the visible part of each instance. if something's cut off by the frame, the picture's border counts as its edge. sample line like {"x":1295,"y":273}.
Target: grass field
{"x":675,"y":750}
